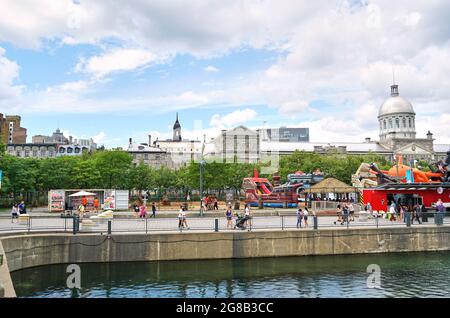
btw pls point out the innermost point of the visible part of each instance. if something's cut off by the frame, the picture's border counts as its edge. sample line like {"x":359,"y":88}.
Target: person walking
{"x":351,"y":210}
{"x":299,"y":217}
{"x":339,"y":213}
{"x":136,"y":208}
{"x":344,"y":214}
{"x":143,"y":211}
{"x":440,"y":209}
{"x":401,"y":217}
{"x":392,"y":212}
{"x":14,"y":212}
{"x":229,"y":216}
{"x":22,"y":208}
{"x":216,"y":204}
{"x":247,"y":215}
{"x":305,"y":216}
{"x":84,"y":202}
{"x":180,"y":218}
{"x":96,"y":205}
{"x":183,"y":213}
{"x":417,"y":211}
{"x":81,"y":211}
{"x":153,"y":210}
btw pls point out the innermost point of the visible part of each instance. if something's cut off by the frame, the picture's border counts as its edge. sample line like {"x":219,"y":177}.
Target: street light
{"x":202,"y":164}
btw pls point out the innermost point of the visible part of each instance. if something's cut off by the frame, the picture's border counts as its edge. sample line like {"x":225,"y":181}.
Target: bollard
{"x":109,"y":227}
{"x":1,"y":259}
{"x":74,"y":225}
{"x":282,"y":222}
{"x":216,"y":225}
{"x":316,"y":222}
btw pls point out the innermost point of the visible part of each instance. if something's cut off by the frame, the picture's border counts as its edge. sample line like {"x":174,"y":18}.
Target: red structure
{"x":381,"y":197}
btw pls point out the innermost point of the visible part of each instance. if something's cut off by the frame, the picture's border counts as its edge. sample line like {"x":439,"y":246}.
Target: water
{"x":402,"y":275}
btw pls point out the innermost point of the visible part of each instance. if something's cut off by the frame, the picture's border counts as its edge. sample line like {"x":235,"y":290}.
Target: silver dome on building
{"x":395,"y":104}
{"x":396,"y":117}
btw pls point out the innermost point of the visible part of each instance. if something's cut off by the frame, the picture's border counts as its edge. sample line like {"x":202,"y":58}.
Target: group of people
{"x":302,"y":215}
{"x":18,"y":209}
{"x":82,"y":208}
{"x":241,"y":222}
{"x":345,"y":212}
{"x":140,"y":209}
{"x":399,"y":212}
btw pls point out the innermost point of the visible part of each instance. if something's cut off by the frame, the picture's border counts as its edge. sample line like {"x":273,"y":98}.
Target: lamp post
{"x":202,"y":164}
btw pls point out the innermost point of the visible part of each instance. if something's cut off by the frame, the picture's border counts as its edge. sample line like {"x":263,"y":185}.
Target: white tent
{"x":82,"y":194}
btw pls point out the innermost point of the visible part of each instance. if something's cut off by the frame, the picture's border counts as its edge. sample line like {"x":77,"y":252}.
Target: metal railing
{"x":256,"y":223}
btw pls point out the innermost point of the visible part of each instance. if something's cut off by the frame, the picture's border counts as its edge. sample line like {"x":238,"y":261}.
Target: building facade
{"x":146,"y":154}
{"x":10,"y":130}
{"x":181,"y":151}
{"x":238,"y":145}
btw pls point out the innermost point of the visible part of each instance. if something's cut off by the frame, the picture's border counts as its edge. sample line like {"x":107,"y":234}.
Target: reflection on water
{"x":403,"y":275}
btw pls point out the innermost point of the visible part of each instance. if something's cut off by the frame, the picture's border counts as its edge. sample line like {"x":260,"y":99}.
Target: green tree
{"x":113,"y":166}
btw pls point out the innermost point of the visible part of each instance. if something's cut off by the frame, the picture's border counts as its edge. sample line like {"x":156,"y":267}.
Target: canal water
{"x":402,"y":275}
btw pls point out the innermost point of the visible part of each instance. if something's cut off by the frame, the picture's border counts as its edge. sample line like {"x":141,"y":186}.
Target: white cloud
{"x":9,"y":72}
{"x":211,"y":69}
{"x":232,"y":119}
{"x":116,"y":61}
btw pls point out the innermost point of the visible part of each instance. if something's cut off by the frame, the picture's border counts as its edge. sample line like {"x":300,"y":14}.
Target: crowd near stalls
{"x":91,"y":199}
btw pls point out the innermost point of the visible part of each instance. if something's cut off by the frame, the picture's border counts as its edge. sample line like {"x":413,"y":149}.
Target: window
{"x":404,"y":122}
{"x":69,"y":150}
{"x":384,"y":124}
{"x":390,"y":123}
{"x":409,"y":120}
{"x":62,"y":150}
{"x":397,"y":122}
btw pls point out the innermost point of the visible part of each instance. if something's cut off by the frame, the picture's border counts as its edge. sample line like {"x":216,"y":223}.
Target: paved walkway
{"x":204,"y":224}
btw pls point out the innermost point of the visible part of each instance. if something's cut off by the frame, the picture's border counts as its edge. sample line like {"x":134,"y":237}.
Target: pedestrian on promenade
{"x":180,"y":217}
{"x":96,"y":205}
{"x":417,"y":213}
{"x":142,"y":211}
{"x":183,"y":213}
{"x":247,"y":215}
{"x":351,"y":210}
{"x":153,"y":210}
{"x":229,"y":216}
{"x":14,"y":212}
{"x":392,"y":212}
{"x":22,"y":208}
{"x":401,"y":217}
{"x":440,"y":206}
{"x":339,"y":213}
{"x":216,"y":204}
{"x":81,"y":211}
{"x":84,"y":202}
{"x":368,"y":208}
{"x":305,"y":216}
{"x":344,"y":214}
{"x":299,"y":217}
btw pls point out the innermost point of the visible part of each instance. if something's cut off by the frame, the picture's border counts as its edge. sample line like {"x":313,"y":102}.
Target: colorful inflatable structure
{"x":260,"y":190}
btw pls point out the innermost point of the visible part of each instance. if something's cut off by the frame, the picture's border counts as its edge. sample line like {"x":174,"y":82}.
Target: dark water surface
{"x":402,"y":275}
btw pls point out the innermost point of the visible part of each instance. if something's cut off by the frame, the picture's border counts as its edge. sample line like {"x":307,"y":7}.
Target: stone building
{"x":10,"y":130}
{"x":241,"y":145}
{"x":146,"y":154}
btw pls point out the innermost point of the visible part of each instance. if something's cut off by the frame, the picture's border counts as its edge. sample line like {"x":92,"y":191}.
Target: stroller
{"x":241,"y":222}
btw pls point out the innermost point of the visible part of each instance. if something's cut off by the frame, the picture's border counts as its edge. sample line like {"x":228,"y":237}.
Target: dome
{"x":396,"y":105}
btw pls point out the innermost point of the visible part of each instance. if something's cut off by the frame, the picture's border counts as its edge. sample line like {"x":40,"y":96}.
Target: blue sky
{"x":113,"y":70}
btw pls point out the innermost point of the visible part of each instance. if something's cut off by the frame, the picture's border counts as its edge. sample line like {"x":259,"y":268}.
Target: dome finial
{"x":394,"y":90}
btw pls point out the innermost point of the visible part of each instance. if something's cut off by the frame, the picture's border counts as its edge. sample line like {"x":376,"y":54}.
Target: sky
{"x":114,"y":70}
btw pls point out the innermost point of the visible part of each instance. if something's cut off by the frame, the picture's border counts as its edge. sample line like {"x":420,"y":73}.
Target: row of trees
{"x":114,"y":169}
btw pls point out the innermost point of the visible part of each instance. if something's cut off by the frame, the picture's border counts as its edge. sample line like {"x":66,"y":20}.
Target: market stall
{"x":109,"y":199}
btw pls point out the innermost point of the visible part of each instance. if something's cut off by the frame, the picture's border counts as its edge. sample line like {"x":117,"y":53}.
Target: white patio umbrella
{"x":82,"y":194}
